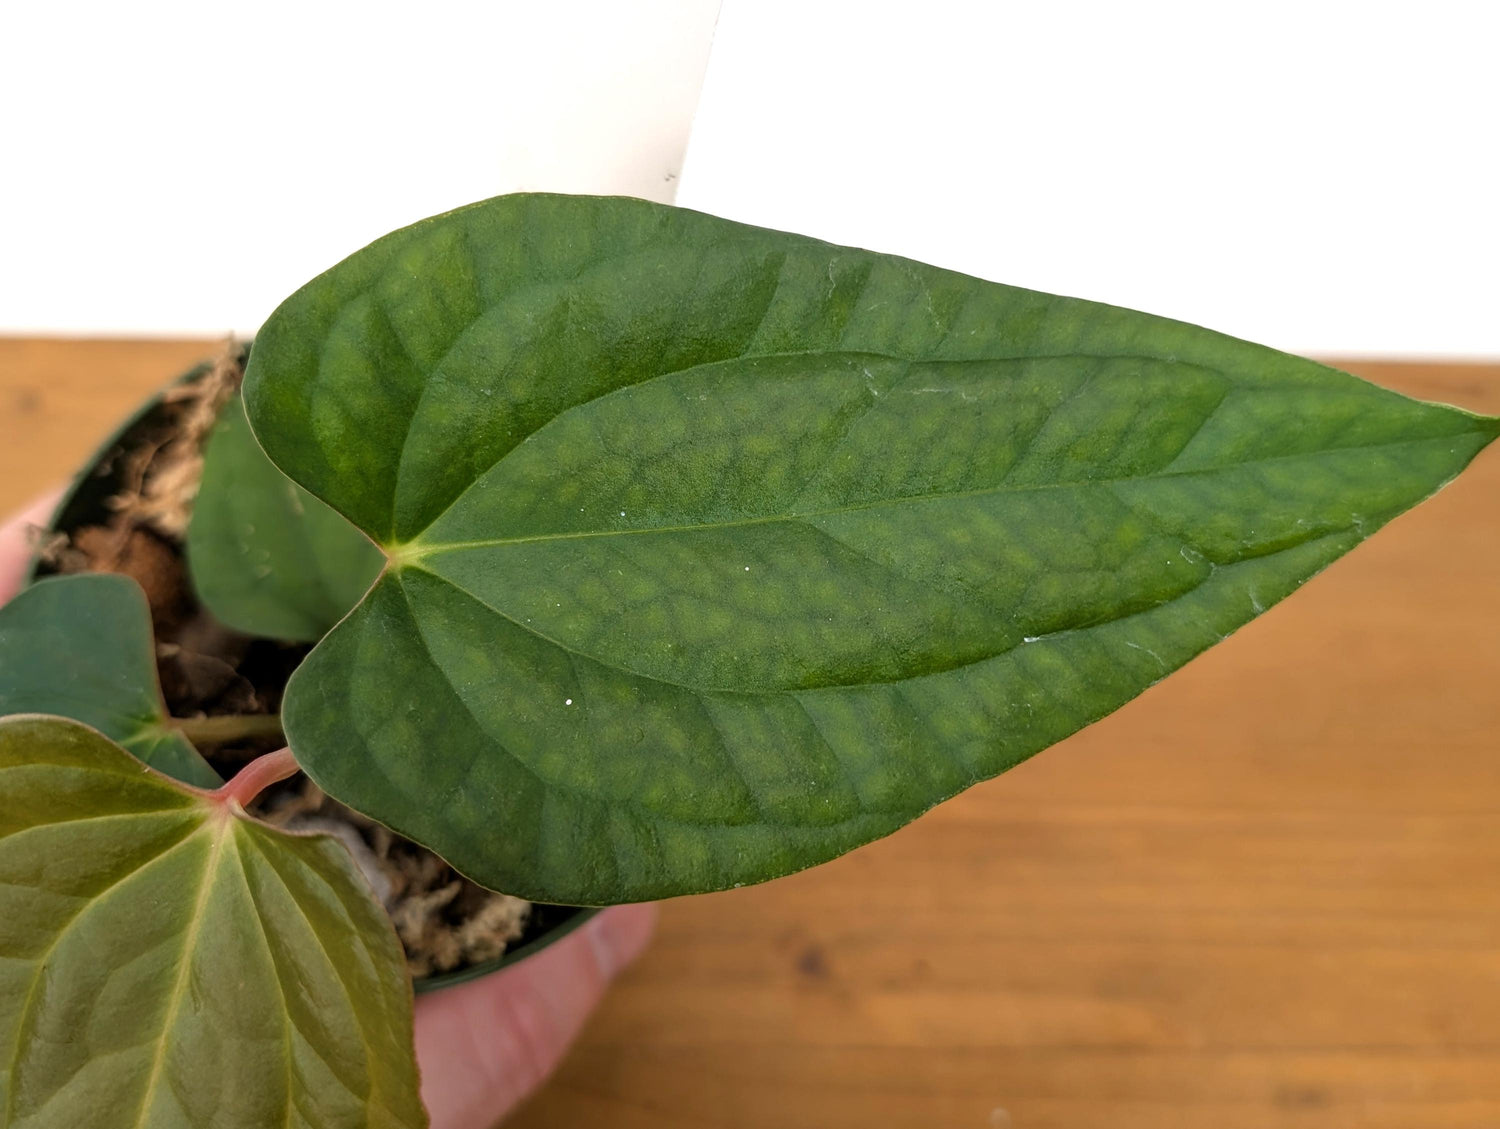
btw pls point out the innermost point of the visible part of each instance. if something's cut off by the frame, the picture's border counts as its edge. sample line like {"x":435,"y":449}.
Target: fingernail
{"x":618,"y":935}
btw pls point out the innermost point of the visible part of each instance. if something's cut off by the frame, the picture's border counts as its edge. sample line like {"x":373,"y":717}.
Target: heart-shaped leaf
{"x":82,"y":647}
{"x":717,"y":551}
{"x":267,"y":558}
{"x":165,"y":961}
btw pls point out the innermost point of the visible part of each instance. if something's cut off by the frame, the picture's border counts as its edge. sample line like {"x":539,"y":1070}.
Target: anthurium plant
{"x":645,"y":554}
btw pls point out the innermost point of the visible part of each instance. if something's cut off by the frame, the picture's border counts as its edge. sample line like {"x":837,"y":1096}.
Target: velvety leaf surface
{"x":718,"y":551}
{"x":267,"y":558}
{"x":167,"y":965}
{"x":82,"y":647}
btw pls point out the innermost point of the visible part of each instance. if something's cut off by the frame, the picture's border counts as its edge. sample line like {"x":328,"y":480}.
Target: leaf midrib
{"x":225,"y":831}
{"x":286,"y":1015}
{"x":415,"y":551}
{"x":795,"y":691}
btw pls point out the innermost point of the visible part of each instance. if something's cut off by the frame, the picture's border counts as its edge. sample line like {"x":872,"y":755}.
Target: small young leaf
{"x":166,"y":963}
{"x":267,"y":558}
{"x":717,"y":551}
{"x":81,"y":647}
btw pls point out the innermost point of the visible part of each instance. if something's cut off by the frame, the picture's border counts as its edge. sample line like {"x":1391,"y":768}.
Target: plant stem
{"x":257,"y":776}
{"x":227,"y":727}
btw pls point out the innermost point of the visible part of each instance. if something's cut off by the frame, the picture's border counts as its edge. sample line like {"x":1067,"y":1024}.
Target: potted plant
{"x":644,"y":554}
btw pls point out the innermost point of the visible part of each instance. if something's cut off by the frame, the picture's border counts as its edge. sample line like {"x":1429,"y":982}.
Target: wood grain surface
{"x":1265,"y":894}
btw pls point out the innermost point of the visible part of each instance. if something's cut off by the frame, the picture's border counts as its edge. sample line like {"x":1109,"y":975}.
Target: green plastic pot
{"x":85,"y":502}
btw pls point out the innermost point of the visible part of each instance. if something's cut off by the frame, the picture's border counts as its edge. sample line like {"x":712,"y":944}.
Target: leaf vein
{"x":40,"y":961}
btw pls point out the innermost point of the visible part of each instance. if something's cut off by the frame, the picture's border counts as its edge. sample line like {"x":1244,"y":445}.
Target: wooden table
{"x":1266,"y":893}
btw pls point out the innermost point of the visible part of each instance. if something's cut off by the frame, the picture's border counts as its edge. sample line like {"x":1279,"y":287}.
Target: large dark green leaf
{"x":82,"y":647}
{"x":167,"y":963}
{"x":267,"y":557}
{"x":717,"y":551}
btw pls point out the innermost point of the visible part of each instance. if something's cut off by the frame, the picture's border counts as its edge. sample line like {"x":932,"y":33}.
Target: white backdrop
{"x":181,"y":165}
{"x":1318,"y":175}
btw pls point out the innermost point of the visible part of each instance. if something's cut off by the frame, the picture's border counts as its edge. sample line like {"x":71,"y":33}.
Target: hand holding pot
{"x":483,"y":1046}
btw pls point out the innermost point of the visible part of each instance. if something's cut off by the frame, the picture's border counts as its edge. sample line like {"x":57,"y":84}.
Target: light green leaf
{"x":267,"y":558}
{"x":717,"y":551}
{"x":82,"y":647}
{"x":167,"y":963}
